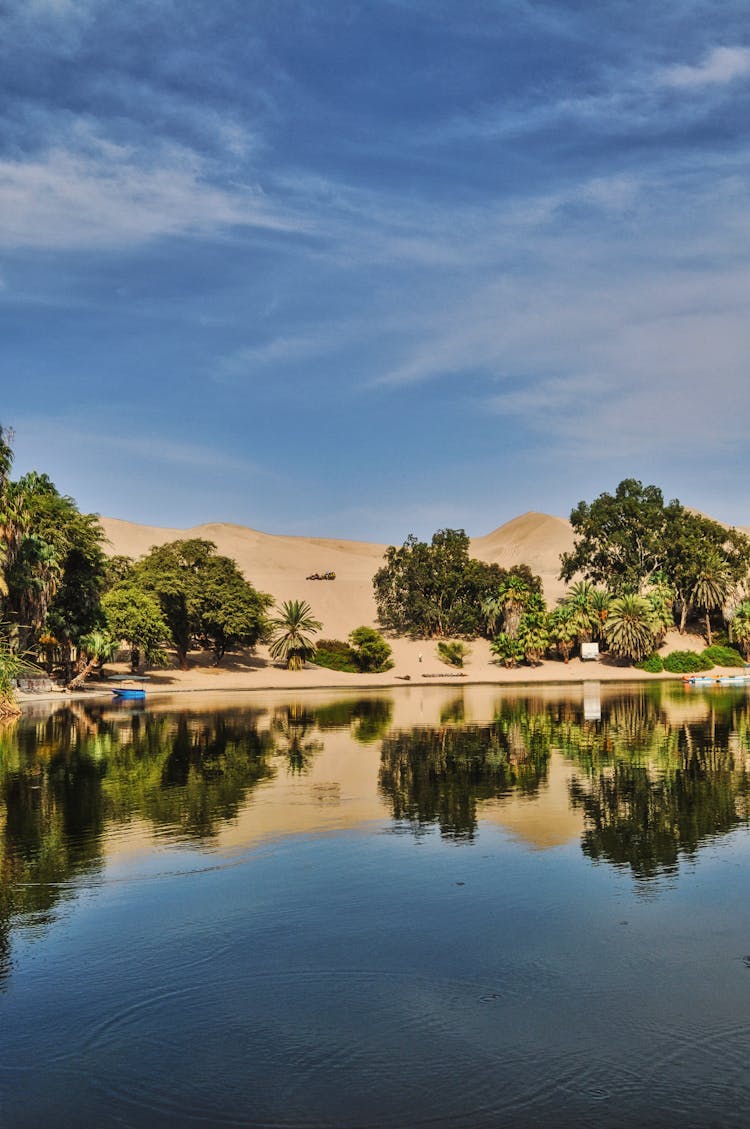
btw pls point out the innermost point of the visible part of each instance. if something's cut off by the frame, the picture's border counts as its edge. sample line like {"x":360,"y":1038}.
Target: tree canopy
{"x":437,"y":589}
{"x":202,"y":597}
{"x":631,"y":541}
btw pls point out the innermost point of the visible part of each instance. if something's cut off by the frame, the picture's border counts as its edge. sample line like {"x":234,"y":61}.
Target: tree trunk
{"x":85,"y":672}
{"x":708,"y":628}
{"x":683,"y":616}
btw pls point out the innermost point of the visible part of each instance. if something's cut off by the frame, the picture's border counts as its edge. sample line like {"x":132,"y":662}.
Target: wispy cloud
{"x":152,"y":448}
{"x":720,"y":66}
{"x":103,"y":195}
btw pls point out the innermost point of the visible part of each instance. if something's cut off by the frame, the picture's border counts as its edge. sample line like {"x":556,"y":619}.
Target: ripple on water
{"x":354,"y":1048}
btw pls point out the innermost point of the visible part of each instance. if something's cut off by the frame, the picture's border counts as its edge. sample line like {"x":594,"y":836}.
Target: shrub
{"x":508,"y":651}
{"x":370,"y":651}
{"x":335,"y":654}
{"x":653,"y":664}
{"x":723,"y":656}
{"x":686,"y":662}
{"x":453,"y":652}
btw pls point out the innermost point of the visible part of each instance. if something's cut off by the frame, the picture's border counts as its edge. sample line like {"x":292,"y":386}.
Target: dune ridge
{"x":280,"y":564}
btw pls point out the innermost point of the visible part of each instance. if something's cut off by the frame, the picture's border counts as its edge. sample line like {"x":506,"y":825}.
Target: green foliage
{"x":202,"y":596}
{"x":653,"y":664}
{"x":533,"y":636}
{"x":686,"y":662}
{"x":629,"y":628}
{"x":134,"y":614}
{"x":563,"y":625}
{"x":371,"y":651}
{"x":619,"y":538}
{"x":741,"y":626}
{"x":439,"y":590}
{"x":631,"y":540}
{"x":335,"y":654}
{"x":291,"y":640}
{"x":507,"y":649}
{"x":452,"y":652}
{"x":723,"y":656}
{"x":52,"y":562}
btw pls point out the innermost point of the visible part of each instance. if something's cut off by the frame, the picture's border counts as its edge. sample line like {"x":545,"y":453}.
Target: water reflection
{"x":659,"y":774}
{"x":440,"y":775}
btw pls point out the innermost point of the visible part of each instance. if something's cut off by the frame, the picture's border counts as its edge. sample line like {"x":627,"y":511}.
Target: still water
{"x":417,"y":908}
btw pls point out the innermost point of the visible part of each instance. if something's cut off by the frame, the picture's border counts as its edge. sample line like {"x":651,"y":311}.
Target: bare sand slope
{"x":537,"y":540}
{"x":280,"y":565}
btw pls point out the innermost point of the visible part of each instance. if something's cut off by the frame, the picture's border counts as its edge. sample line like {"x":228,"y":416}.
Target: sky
{"x":362,"y":269}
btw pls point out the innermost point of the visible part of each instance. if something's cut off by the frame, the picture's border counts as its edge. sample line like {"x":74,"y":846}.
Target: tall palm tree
{"x":291,"y":630}
{"x":578,"y":601}
{"x":741,"y":627}
{"x":514,"y":595}
{"x":563,"y":631}
{"x":629,"y":627}
{"x":711,"y":588}
{"x":661,"y":598}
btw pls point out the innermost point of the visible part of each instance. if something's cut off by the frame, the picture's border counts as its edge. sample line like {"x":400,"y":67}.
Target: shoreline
{"x":415,"y":664}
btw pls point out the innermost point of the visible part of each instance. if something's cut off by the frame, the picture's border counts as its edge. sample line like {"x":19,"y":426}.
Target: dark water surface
{"x":418,"y":908}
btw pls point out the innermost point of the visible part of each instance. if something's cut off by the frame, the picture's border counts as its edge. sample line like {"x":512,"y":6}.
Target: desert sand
{"x":280,"y":565}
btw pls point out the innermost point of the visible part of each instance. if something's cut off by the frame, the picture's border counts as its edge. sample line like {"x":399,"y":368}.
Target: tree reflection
{"x":440,"y":775}
{"x":652,"y":791}
{"x":65,"y":778}
{"x":368,"y":719}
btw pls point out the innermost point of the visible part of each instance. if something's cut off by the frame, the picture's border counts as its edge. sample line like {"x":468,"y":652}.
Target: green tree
{"x":134,"y":615}
{"x":533,"y":636}
{"x":741,"y":627}
{"x":437,"y":590}
{"x":711,"y":588}
{"x":563,"y":630}
{"x":96,"y":648}
{"x":371,"y":651}
{"x":202,"y":595}
{"x":226,"y":610}
{"x":620,"y":538}
{"x":291,"y":640}
{"x":629,"y":628}
{"x":54,"y":563}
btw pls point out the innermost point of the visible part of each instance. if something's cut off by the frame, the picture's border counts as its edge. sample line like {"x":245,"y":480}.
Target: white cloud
{"x":93,"y":193}
{"x":722,"y":65}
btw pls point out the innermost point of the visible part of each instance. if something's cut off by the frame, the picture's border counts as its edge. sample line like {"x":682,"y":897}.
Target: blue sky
{"x":361,"y":269}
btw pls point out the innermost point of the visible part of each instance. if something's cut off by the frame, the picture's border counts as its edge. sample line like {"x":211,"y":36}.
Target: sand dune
{"x":280,"y":565}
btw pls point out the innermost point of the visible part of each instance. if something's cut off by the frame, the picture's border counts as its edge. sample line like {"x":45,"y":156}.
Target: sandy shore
{"x":415,"y":664}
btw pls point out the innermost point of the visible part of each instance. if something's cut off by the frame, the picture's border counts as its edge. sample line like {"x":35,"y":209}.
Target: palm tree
{"x":741,"y":627}
{"x":290,"y":642}
{"x":96,"y":648}
{"x":514,"y":595}
{"x":507,"y":649}
{"x":578,"y":600}
{"x":661,"y":598}
{"x":629,"y":627}
{"x":533,"y":637}
{"x":563,"y":630}
{"x":711,"y":588}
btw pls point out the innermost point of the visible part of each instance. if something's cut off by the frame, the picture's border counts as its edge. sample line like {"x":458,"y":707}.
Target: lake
{"x":421,"y":907}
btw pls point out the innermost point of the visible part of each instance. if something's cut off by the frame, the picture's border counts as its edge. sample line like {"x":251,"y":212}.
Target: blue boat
{"x":136,"y":692}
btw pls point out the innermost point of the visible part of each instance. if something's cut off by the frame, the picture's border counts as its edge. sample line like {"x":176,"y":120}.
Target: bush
{"x":453,"y":652}
{"x":653,"y":664}
{"x":370,"y":651}
{"x":723,"y":656}
{"x":334,"y":654}
{"x":686,"y":662}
